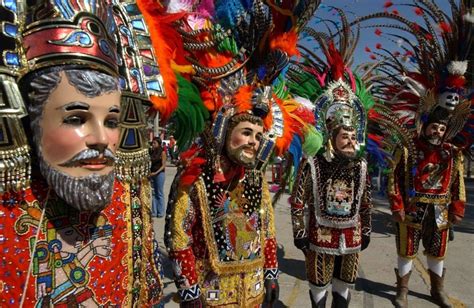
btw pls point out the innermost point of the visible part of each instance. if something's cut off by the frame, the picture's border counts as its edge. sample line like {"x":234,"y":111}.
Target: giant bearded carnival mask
{"x":68,"y":65}
{"x":80,"y":62}
{"x":76,"y":134}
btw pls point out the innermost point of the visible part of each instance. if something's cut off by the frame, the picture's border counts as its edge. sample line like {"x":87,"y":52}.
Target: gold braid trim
{"x":126,"y":236}
{"x":393,"y":165}
{"x":430,"y":200}
{"x":267,"y":207}
{"x":147,"y":244}
{"x":218,"y":267}
{"x":180,"y":239}
{"x":459,"y":165}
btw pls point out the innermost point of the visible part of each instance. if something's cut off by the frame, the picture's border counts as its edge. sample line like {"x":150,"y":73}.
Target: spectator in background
{"x":173,"y":150}
{"x":157,"y":176}
{"x":165,"y":148}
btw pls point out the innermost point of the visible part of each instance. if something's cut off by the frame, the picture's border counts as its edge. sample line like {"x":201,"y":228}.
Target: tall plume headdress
{"x":338,"y":95}
{"x":423,"y":81}
{"x":230,"y":53}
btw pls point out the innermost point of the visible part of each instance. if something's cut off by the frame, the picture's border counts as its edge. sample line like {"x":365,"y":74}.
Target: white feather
{"x":305,"y":102}
{"x":414,"y":86}
{"x":457,"y":67}
{"x":469,"y":18}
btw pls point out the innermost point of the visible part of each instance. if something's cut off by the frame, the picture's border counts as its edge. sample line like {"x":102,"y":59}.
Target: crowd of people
{"x":80,"y":181}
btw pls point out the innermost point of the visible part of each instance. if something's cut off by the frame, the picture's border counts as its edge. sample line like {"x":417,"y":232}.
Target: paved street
{"x":376,"y":284}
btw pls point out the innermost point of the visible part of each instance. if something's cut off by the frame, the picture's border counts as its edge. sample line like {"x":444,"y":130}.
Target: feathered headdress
{"x":337,"y":94}
{"x":228,"y":54}
{"x":424,"y":80}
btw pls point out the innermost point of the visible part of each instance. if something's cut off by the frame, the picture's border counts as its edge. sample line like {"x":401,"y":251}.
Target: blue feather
{"x":261,"y":72}
{"x":376,"y":153}
{"x":296,"y":150}
{"x":227,"y":12}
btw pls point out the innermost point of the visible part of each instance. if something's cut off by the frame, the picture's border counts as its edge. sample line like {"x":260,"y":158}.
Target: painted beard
{"x":345,"y":154}
{"x":239,"y":156}
{"x":87,"y":193}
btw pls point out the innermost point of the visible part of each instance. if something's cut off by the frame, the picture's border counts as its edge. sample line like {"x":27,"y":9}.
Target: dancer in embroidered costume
{"x":330,"y":202}
{"x":424,"y":124}
{"x":75,"y":198}
{"x":220,"y":231}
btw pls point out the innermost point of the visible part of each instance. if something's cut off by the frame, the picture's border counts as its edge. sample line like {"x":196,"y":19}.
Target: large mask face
{"x":243,"y":142}
{"x":346,"y":143}
{"x":79,"y":137}
{"x":449,"y":100}
{"x":434,"y":133}
{"x":73,"y":124}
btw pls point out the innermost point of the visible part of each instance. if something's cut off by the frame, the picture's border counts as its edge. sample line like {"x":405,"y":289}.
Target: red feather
{"x":445,"y":27}
{"x":367,"y":49}
{"x":335,"y":61}
{"x":396,"y":12}
{"x":455,"y":81}
{"x":373,"y":57}
{"x":378,"y":46}
{"x":418,"y":11}
{"x":378,"y":32}
{"x":388,"y":4}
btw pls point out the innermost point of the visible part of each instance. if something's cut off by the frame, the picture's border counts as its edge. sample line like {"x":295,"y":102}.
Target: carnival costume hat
{"x":423,"y":81}
{"x":338,"y":96}
{"x":227,"y":56}
{"x":108,"y":37}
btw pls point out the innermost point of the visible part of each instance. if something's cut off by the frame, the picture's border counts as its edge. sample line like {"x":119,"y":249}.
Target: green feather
{"x":313,"y":141}
{"x":365,"y":97}
{"x":307,"y":87}
{"x":190,"y":117}
{"x":280,"y":89}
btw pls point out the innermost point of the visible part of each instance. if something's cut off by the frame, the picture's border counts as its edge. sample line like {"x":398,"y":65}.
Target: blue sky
{"x":355,"y":8}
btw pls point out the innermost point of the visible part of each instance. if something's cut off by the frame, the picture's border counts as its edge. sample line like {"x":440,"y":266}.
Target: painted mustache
{"x":82,"y":157}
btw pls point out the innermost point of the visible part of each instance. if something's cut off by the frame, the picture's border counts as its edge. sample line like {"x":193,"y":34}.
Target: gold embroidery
{"x":180,"y":239}
{"x":217,"y":266}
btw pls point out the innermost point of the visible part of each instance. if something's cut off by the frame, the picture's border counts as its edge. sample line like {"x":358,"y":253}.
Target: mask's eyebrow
{"x":114,"y":109}
{"x":75,"y":106}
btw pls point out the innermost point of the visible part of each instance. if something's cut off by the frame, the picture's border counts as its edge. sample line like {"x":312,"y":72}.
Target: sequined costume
{"x":331,"y":201}
{"x":337,"y":197}
{"x":435,"y":190}
{"x":79,"y":258}
{"x":422,"y":125}
{"x":223,"y":242}
{"x":219,"y":225}
{"x":54,"y":254}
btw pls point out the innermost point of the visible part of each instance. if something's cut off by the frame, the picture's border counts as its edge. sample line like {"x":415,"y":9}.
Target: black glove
{"x":195,"y":303}
{"x":272,"y":291}
{"x":301,"y":243}
{"x":365,"y":241}
{"x":451,"y":234}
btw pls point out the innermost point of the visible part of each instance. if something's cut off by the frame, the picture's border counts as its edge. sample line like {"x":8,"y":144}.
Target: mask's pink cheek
{"x":61,"y":144}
